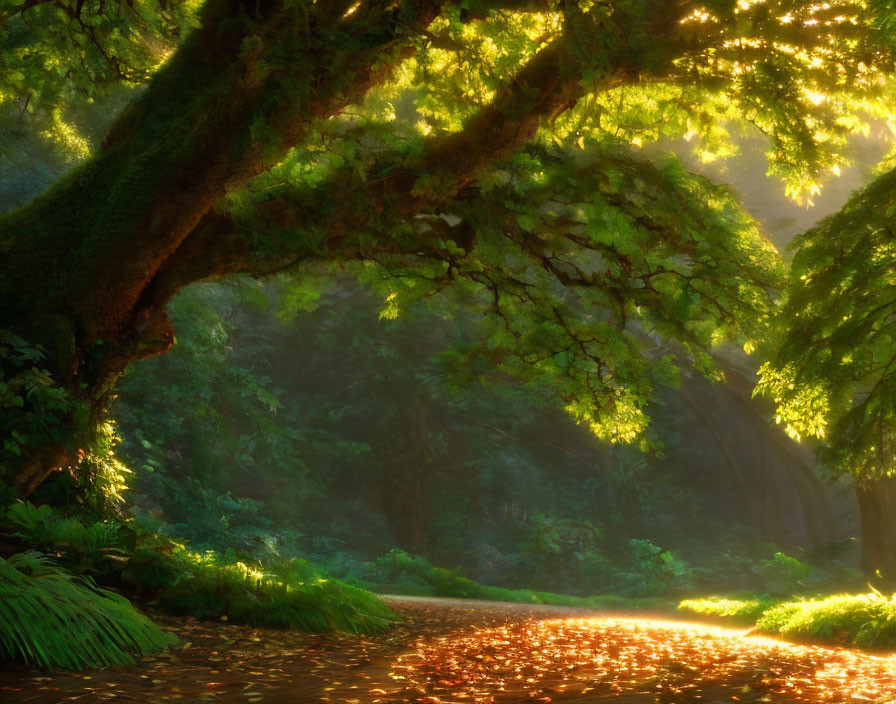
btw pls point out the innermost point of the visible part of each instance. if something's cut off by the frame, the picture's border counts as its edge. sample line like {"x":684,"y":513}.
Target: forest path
{"x":462,"y":652}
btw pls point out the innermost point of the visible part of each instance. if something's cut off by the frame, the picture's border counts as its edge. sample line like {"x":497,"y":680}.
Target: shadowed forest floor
{"x":467,"y":652}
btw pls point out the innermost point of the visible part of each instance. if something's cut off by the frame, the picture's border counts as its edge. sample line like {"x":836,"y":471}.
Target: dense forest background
{"x":310,"y":307}
{"x":341,"y":435}
{"x":303,"y":419}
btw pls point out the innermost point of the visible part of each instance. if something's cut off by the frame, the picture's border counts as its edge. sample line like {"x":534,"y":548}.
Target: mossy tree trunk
{"x":87,"y":268}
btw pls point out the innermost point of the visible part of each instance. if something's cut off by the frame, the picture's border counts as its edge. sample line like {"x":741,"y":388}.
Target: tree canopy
{"x":833,"y":374}
{"x":488,"y":148}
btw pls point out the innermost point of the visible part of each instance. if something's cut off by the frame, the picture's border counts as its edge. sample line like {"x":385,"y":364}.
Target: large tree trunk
{"x":877,"y":511}
{"x":87,"y":268}
{"x":79,"y":261}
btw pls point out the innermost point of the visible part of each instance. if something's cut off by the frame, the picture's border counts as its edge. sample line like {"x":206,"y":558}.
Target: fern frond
{"x":52,"y":619}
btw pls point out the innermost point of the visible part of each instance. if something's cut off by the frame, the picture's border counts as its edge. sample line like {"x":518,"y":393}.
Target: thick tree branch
{"x":547,"y":85}
{"x":233,"y":100}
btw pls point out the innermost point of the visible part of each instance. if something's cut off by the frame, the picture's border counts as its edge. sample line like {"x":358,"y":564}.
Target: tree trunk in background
{"x":817,"y":512}
{"x":745,"y":493}
{"x":407,"y":464}
{"x":402,"y":495}
{"x":877,"y":510}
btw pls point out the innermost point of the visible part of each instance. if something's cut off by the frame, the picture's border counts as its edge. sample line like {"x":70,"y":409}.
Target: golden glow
{"x":699,"y":15}
{"x":526,"y":661}
{"x":744,"y":5}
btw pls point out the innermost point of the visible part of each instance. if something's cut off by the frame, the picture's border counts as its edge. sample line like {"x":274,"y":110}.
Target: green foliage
{"x":862,"y":620}
{"x":116,"y":44}
{"x":217,"y":418}
{"x":572,"y":296}
{"x":37,"y":415}
{"x":575,"y":251}
{"x":832,"y":374}
{"x":33,"y":409}
{"x":590,"y":275}
{"x":416,"y":575}
{"x":290,"y":594}
{"x":53,"y":620}
{"x":866,"y":620}
{"x":662,"y":571}
{"x":39,"y":525}
{"x":100,"y":477}
{"x":574,"y":552}
{"x":78,"y":546}
{"x":783,"y":568}
{"x":805,"y":81}
{"x":557,"y":536}
{"x":399,"y":573}
{"x":742,"y":607}
{"x":509,"y":489}
{"x":598,"y":273}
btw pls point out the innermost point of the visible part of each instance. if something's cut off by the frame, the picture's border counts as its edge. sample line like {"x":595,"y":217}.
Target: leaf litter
{"x":452,"y":652}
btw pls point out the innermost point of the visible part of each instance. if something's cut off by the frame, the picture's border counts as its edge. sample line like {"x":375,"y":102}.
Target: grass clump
{"x":742,"y":607}
{"x":290,"y":594}
{"x":862,"y":620}
{"x":52,"y":619}
{"x":208,"y":584}
{"x":866,"y":620}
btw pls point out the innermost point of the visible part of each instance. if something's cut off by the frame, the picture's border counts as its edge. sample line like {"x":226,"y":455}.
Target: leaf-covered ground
{"x":467,"y":652}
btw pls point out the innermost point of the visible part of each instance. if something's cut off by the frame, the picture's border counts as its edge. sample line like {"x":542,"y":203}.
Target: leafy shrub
{"x":867,"y":620}
{"x":401,"y":573}
{"x":556,"y":536}
{"x":217,"y":521}
{"x":407,"y":574}
{"x":785,"y":569}
{"x":102,"y":478}
{"x":38,"y":524}
{"x":53,"y":619}
{"x":569,"y":550}
{"x":660,"y":570}
{"x":850,"y":619}
{"x":32,"y":407}
{"x":36,"y":413}
{"x":287,"y":595}
{"x":80,"y":547}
